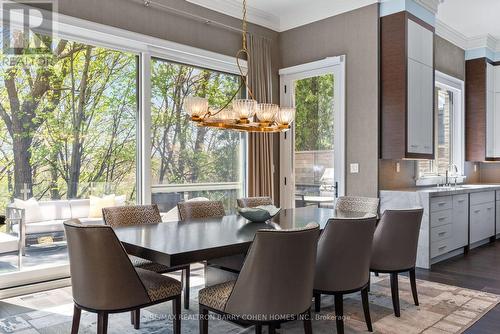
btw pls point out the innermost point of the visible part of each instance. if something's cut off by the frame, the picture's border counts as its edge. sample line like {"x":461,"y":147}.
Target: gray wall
{"x":449,"y":59}
{"x":354,"y":34}
{"x":133,"y":16}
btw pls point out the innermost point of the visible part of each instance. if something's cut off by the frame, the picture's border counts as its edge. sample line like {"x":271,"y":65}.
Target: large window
{"x":67,"y":131}
{"x":448,"y":131}
{"x":189,"y":161}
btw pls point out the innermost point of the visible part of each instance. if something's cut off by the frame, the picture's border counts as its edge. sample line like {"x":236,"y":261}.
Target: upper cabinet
{"x":482,"y":110}
{"x":407,"y":87}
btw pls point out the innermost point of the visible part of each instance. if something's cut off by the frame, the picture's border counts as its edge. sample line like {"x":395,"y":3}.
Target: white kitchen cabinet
{"x":482,"y":216}
{"x":420,"y":107}
{"x":497,"y":231}
{"x":460,"y":233}
{"x":407,"y":87}
{"x":420,"y":44}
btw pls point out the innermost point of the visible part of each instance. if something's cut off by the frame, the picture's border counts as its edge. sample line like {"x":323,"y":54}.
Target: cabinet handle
{"x":490,"y":209}
{"x":441,"y":234}
{"x":442,"y":203}
{"x":414,"y":146}
{"x":461,"y":200}
{"x":427,"y":147}
{"x":442,"y":248}
{"x":477,"y":211}
{"x":441,"y":219}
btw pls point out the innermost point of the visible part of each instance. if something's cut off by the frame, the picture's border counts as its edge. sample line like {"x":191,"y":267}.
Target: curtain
{"x":260,"y":145}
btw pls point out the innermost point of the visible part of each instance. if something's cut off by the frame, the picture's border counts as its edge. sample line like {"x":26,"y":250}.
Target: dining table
{"x":186,"y":242}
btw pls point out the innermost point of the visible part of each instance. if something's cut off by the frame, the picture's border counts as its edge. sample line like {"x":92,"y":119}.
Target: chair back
{"x":131,"y":215}
{"x":102,"y":276}
{"x":357,"y":204}
{"x":396,"y":239}
{"x":203,"y":209}
{"x":278,"y":274}
{"x":252,"y":202}
{"x":344,"y":253}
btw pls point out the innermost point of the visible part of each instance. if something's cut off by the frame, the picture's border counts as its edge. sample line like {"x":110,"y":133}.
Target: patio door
{"x":312,"y":154}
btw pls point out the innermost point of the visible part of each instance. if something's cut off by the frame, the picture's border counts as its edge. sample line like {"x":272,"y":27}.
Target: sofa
{"x":32,"y":219}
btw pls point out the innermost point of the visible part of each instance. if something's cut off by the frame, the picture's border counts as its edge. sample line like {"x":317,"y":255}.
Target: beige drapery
{"x":260,"y":145}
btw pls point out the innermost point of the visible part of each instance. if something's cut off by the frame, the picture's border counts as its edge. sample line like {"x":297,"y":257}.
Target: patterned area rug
{"x":443,"y":309}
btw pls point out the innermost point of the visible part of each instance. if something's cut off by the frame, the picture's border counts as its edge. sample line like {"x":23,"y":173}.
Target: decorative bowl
{"x":260,"y":213}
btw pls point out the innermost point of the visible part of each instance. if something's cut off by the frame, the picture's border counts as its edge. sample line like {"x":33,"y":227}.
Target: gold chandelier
{"x":240,"y":114}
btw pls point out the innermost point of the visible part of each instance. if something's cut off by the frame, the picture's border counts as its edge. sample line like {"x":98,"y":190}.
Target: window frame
{"x":457,"y":87}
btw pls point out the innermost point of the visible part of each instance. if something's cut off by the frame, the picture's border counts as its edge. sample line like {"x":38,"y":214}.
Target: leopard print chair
{"x":358,"y":204}
{"x":251,"y":202}
{"x":204,"y":209}
{"x":138,"y":215}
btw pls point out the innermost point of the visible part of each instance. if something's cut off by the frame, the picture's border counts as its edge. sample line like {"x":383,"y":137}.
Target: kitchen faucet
{"x":454,"y":169}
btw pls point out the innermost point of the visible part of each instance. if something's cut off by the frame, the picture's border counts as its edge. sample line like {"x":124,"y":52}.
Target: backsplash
{"x":390,"y":179}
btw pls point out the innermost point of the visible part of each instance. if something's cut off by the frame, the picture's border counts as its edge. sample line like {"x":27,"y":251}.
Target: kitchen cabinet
{"x":407,"y":87}
{"x":452,"y":220}
{"x":482,"y":110}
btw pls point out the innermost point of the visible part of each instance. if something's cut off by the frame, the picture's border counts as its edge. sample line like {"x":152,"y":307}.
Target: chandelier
{"x":240,"y":114}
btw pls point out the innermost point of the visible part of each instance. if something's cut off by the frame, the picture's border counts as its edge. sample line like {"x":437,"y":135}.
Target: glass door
{"x":312,"y":159}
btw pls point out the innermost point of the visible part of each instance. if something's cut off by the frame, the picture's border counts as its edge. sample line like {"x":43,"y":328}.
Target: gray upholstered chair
{"x":343,"y":264}
{"x":357,"y":204}
{"x":138,"y":215}
{"x":251,"y":202}
{"x":271,"y":288}
{"x":395,"y":249}
{"x":204,"y":209}
{"x":104,"y":280}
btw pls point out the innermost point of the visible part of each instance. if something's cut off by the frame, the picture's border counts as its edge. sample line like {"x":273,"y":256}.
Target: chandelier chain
{"x":244,"y":25}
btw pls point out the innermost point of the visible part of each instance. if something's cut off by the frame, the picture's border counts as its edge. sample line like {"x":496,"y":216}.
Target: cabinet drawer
{"x":482,"y":197}
{"x":441,"y":203}
{"x":482,"y":221}
{"x":441,"y":218}
{"x":461,"y":202}
{"x":441,"y":232}
{"x":440,"y":247}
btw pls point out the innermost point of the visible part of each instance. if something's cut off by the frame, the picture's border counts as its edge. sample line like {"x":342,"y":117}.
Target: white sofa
{"x":48,"y":218}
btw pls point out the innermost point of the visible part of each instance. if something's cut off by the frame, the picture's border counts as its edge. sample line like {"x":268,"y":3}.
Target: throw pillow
{"x":32,"y":211}
{"x":98,"y":203}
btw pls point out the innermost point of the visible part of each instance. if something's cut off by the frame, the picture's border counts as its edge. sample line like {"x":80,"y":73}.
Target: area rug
{"x":443,"y":309}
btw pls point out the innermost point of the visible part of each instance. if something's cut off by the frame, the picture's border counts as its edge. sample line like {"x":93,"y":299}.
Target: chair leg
{"x":272,"y":329}
{"x":77,"y":313}
{"x":317,"y":302}
{"x":339,"y":313}
{"x":413,"y":283}
{"x":187,"y":275}
{"x":203,"y":320}
{"x":308,"y":323}
{"x":366,"y":309}
{"x":136,"y":315}
{"x":102,"y":323}
{"x":176,"y":306}
{"x":132,"y":321}
{"x":395,"y":294}
{"x":258,"y":329}
{"x":376,"y":274}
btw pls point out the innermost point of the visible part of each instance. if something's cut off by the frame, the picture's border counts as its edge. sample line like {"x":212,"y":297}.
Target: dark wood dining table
{"x":185,"y":242}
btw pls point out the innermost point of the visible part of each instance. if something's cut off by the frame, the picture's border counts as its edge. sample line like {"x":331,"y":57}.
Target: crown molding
{"x":452,"y":35}
{"x":430,"y":5}
{"x":234,"y":8}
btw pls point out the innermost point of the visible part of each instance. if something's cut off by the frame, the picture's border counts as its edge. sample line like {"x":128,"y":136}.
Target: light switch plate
{"x":354,"y":168}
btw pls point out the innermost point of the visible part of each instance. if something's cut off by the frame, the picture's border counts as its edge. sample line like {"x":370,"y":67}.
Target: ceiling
{"x":472,"y":18}
{"x":465,"y":18}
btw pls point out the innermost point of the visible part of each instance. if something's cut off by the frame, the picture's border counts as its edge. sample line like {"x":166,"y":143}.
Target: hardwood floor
{"x":478,"y":270}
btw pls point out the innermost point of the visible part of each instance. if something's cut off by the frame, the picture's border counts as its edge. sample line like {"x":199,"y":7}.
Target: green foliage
{"x":314,"y":113}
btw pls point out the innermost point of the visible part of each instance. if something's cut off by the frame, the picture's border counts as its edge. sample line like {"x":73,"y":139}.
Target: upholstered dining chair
{"x":343,"y":264}
{"x":204,"y":209}
{"x":104,"y":280}
{"x":251,"y":202}
{"x":395,"y":249}
{"x":357,"y":204}
{"x":138,"y":215}
{"x":271,"y":288}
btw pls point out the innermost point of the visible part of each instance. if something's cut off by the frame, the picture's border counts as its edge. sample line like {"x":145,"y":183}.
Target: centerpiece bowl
{"x":260,"y":213}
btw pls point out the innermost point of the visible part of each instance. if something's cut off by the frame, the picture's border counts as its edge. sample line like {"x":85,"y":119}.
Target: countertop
{"x":446,"y":191}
